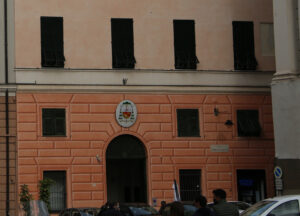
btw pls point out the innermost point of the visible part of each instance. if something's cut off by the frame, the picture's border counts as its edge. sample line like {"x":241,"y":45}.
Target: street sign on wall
{"x":277,"y":172}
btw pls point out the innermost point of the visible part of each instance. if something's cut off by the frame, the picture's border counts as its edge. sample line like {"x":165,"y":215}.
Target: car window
{"x":65,"y":213}
{"x":242,"y":206}
{"x":258,"y":208}
{"x":125,"y":210}
{"x":189,"y":210}
{"x":75,"y":213}
{"x":290,"y":208}
{"x":143,"y":210}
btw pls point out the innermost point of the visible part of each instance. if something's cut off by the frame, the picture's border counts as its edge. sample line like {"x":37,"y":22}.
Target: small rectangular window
{"x":52,"y":43}
{"x":188,"y":122}
{"x":54,"y":122}
{"x":248,"y":123}
{"x":184,"y":44}
{"x":122,"y":43}
{"x":57,"y":190}
{"x":267,"y":39}
{"x":190,"y":184}
{"x":243,"y":44}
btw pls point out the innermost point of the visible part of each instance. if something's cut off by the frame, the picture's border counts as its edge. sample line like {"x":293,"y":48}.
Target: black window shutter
{"x":54,"y":122}
{"x":248,"y":123}
{"x":188,"y":123}
{"x":52,"y":42}
{"x":122,"y":43}
{"x":243,"y":44}
{"x":184,"y":44}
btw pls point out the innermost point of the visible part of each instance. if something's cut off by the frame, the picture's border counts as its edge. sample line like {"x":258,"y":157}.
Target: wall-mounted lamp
{"x":125,"y":81}
{"x":228,"y":123}
{"x":216,"y":111}
{"x":98,"y":158}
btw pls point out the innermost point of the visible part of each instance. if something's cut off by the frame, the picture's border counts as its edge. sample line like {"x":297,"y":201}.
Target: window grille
{"x":243,"y":44}
{"x":248,"y":123}
{"x":190,"y":184}
{"x":184,"y":44}
{"x":57,"y":190}
{"x":54,"y":122}
{"x":122,"y":43}
{"x":188,"y":123}
{"x":52,"y":42}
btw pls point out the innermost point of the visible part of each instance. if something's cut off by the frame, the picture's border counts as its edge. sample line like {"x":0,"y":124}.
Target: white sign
{"x":278,"y":184}
{"x":219,"y":148}
{"x":126,"y":113}
{"x":277,"y":172}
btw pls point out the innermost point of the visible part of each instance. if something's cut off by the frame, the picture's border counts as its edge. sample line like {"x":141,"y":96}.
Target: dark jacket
{"x":204,"y":212}
{"x":223,"y":208}
{"x":110,"y":212}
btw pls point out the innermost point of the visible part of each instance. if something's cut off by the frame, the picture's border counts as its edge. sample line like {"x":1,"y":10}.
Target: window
{"x":122,"y":43}
{"x":267,"y":39}
{"x":52,"y":42}
{"x":188,"y":122}
{"x":57,"y":190}
{"x":184,"y":44}
{"x":54,"y":122}
{"x":243,"y":44}
{"x":248,"y":123}
{"x":190,"y":184}
{"x":290,"y":208}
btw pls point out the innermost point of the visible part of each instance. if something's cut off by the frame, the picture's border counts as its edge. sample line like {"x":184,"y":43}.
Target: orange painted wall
{"x":91,"y":125}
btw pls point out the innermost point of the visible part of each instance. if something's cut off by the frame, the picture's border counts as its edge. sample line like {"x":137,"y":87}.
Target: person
{"x":200,"y":202}
{"x":176,"y":209}
{"x":162,"y":207}
{"x":112,"y":210}
{"x":221,"y":207}
{"x":103,"y":208}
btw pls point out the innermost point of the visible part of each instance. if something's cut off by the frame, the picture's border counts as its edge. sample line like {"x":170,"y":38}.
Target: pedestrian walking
{"x":176,"y":209}
{"x":200,"y":202}
{"x":221,"y":207}
{"x":162,"y":207}
{"x":112,"y":210}
{"x":104,"y":208}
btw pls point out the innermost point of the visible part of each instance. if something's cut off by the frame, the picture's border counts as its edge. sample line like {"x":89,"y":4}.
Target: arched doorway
{"x":126,"y":170}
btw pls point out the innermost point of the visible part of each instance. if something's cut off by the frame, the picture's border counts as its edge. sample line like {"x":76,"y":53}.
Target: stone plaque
{"x":219,"y":148}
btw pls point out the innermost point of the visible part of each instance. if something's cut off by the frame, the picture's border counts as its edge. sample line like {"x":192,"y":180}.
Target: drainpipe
{"x":7,"y":152}
{"x":6,"y":108}
{"x":5,"y":42}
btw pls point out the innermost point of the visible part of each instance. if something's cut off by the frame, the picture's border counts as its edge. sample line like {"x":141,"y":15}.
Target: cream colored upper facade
{"x":87,"y":42}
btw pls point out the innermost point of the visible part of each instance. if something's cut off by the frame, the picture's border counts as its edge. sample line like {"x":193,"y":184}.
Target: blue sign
{"x":246,"y":182}
{"x":278,"y":172}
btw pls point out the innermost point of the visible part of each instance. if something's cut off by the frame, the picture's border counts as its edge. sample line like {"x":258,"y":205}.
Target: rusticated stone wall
{"x":91,"y":125}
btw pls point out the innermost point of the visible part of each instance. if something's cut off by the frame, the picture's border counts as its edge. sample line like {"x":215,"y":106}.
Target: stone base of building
{"x":217,"y":157}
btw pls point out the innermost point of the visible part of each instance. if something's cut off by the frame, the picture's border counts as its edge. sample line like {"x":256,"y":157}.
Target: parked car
{"x":80,"y":212}
{"x":242,"y":206}
{"x":277,"y":206}
{"x":189,"y":209}
{"x":137,"y":209}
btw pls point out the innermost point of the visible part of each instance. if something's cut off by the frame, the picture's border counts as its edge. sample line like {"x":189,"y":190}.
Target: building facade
{"x":8,"y":186}
{"x":285,"y":86}
{"x":116,"y":100}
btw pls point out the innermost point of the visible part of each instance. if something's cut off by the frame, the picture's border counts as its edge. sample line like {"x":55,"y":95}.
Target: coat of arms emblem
{"x":126,"y":113}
